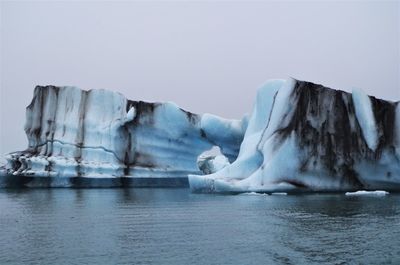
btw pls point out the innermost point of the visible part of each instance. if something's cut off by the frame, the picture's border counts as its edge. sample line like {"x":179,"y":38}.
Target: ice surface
{"x":365,"y":117}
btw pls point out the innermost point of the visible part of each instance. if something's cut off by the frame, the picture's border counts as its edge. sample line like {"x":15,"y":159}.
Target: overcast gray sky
{"x":205,"y":56}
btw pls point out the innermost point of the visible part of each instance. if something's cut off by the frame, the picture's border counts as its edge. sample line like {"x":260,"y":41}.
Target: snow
{"x":367,"y":193}
{"x":365,"y":117}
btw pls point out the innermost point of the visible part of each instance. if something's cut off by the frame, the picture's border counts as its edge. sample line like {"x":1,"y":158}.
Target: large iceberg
{"x":98,"y":138}
{"x":300,"y":137}
{"x":304,"y":137}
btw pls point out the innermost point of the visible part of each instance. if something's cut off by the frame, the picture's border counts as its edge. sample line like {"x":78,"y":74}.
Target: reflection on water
{"x":173,"y":226}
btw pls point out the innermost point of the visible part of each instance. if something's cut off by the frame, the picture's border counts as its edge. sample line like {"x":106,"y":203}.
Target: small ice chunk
{"x":279,"y":193}
{"x":254,"y":193}
{"x":212,"y":164}
{"x":131,"y":114}
{"x":365,"y":192}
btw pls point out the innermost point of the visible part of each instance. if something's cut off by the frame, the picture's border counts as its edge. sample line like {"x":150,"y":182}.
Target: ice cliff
{"x":97,"y":138}
{"x":306,"y":137}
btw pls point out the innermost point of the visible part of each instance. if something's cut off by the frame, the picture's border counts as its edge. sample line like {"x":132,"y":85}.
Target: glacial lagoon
{"x":175,"y":226}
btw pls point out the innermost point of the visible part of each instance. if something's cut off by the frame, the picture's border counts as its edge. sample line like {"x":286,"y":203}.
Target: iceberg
{"x":299,"y":137}
{"x":304,"y":137}
{"x":98,"y":138}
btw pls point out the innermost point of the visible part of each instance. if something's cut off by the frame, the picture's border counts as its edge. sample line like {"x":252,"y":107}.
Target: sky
{"x":208,"y":57}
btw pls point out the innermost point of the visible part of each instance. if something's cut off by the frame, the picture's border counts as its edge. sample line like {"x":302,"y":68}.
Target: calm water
{"x":173,"y":226}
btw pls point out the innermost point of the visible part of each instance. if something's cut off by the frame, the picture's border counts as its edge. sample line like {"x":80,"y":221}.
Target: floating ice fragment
{"x":279,"y":193}
{"x":254,"y":194}
{"x":365,"y":192}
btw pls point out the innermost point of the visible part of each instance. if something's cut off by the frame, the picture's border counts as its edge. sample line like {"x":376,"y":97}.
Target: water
{"x":173,"y":226}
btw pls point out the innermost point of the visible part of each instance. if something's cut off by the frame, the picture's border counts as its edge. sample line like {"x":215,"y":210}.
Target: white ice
{"x":367,"y":193}
{"x":365,"y":117}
